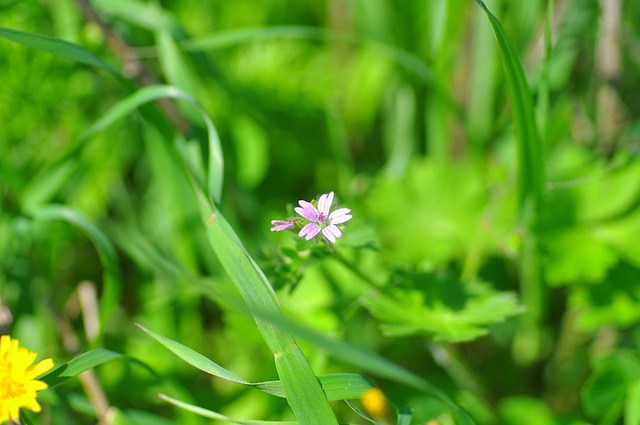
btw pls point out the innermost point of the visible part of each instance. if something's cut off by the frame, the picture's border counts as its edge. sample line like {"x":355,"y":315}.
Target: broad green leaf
{"x":577,"y":255}
{"x":56,"y":46}
{"x":407,"y":311}
{"x":112,"y":281}
{"x":614,"y":301}
{"x":213,"y":415}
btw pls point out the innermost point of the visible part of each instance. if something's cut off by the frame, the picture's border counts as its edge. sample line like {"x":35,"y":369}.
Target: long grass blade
{"x":214,"y":415}
{"x":339,"y":386}
{"x":56,"y":46}
{"x":530,"y":161}
{"x":112,"y":281}
{"x":84,"y":362}
{"x":301,"y":386}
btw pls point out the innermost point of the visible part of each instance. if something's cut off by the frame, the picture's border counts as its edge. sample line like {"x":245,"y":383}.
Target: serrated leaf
{"x":407,"y":311}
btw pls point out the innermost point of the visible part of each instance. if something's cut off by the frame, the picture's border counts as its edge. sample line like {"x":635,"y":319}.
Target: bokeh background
{"x":522,"y":314}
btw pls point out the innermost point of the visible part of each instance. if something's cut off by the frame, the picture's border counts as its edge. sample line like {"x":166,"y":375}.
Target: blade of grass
{"x":368,"y":361}
{"x":530,"y":176}
{"x":111,"y":281}
{"x":148,"y":94}
{"x":530,"y":162}
{"x":84,"y":362}
{"x":56,"y":46}
{"x":339,"y":386}
{"x":213,"y":415}
{"x":404,"y":58}
{"x":301,"y":386}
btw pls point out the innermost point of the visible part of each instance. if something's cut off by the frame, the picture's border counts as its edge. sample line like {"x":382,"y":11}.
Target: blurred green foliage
{"x":521,"y":313}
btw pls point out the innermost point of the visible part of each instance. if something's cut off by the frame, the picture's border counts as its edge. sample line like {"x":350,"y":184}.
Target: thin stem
{"x":356,"y":270}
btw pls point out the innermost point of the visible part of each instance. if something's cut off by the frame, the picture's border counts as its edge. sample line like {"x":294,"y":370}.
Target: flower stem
{"x":356,"y":270}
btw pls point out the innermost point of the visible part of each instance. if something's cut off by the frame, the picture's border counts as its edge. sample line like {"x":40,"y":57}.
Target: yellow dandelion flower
{"x":18,"y":385}
{"x":374,"y":403}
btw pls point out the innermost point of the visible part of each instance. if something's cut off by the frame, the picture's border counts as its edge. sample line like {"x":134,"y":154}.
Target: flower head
{"x":321,"y":219}
{"x":18,"y":385}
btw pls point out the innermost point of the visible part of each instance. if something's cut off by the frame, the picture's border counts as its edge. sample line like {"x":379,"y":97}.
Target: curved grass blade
{"x":213,"y":415}
{"x":530,"y":191}
{"x":194,"y":358}
{"x":404,"y":58}
{"x":530,"y":160}
{"x":339,"y":386}
{"x":302,"y":388}
{"x":151,"y":93}
{"x":84,"y":362}
{"x":56,"y":46}
{"x":369,"y":361}
{"x":112,"y":281}
{"x":41,"y":187}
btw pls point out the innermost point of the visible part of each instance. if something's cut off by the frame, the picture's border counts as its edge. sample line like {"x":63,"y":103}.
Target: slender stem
{"x":356,"y":270}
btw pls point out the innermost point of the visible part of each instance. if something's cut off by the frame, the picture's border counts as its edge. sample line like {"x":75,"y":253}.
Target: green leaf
{"x":605,"y":390}
{"x":194,"y":358}
{"x":577,"y":255}
{"x":369,"y":361}
{"x":632,"y":404}
{"x":404,"y":416}
{"x":431,"y":306}
{"x":56,"y":46}
{"x":213,"y":415}
{"x":304,"y":394}
{"x":530,"y":160}
{"x":337,"y":386}
{"x":151,"y":93}
{"x":83,"y":362}
{"x":112,"y":281}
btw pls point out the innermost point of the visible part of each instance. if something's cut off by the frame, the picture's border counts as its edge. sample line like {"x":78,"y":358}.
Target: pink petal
{"x":324,"y":203}
{"x":307,"y":211}
{"x":331,"y":232}
{"x":279,"y":225}
{"x":327,"y":234}
{"x":341,"y":215}
{"x":310,"y":230}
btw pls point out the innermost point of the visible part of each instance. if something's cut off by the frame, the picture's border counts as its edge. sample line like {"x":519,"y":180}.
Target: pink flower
{"x":321,"y":219}
{"x":279,"y":225}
